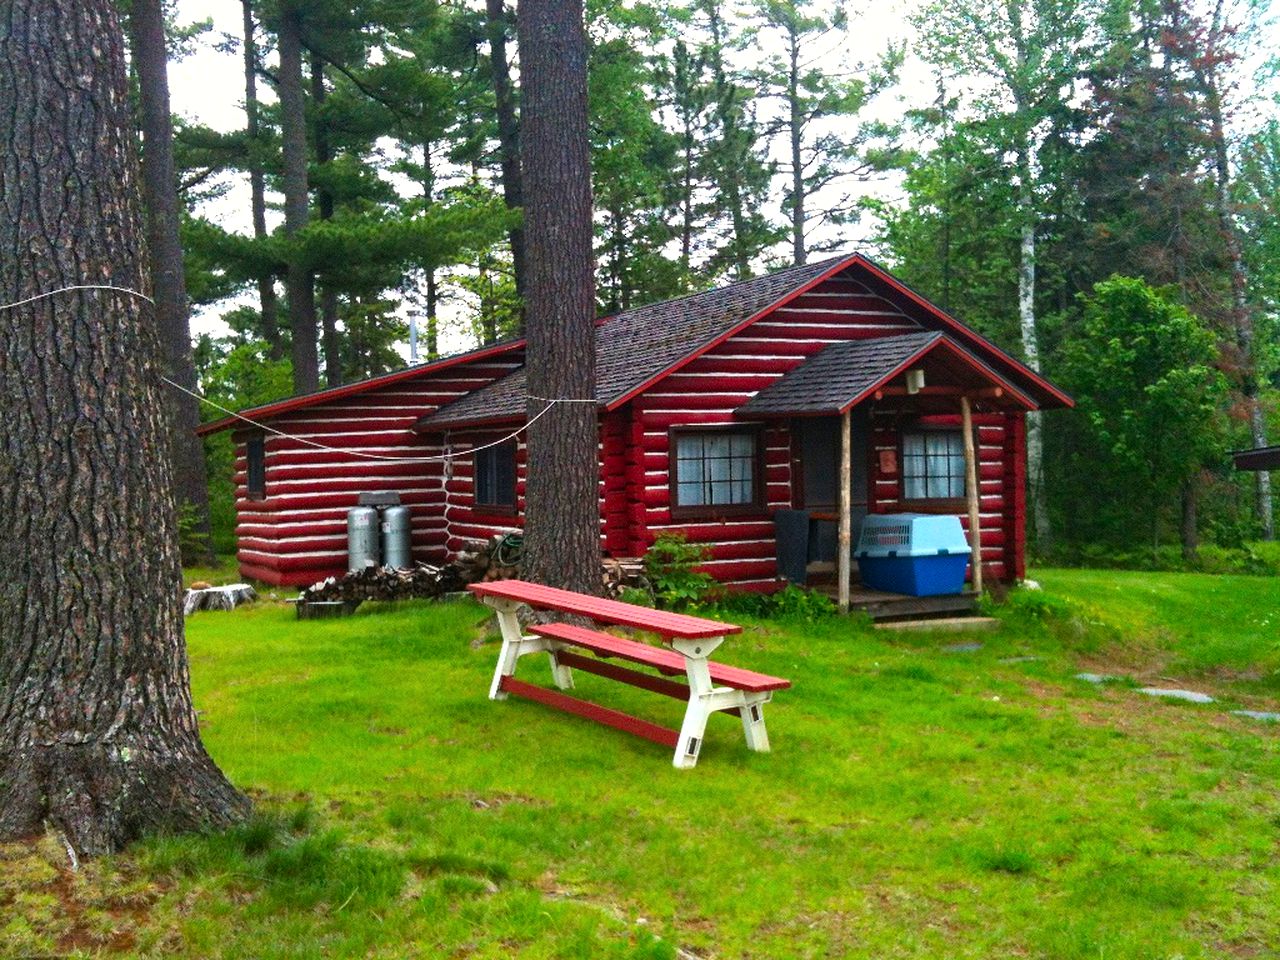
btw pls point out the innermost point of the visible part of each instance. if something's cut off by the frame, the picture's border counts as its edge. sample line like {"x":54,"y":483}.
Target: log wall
{"x":296,"y":534}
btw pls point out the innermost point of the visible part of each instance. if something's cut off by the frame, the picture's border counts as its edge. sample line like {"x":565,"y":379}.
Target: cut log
{"x":217,"y":598}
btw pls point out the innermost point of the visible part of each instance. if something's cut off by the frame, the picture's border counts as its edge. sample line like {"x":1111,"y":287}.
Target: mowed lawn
{"x":919,"y":802}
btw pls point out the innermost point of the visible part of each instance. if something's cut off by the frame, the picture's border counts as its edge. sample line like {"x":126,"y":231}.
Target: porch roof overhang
{"x":1261,"y":458}
{"x":845,"y":374}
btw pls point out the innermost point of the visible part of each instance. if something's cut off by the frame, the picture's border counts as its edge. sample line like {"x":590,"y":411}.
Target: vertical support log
{"x":971,"y":492}
{"x":846,"y":520}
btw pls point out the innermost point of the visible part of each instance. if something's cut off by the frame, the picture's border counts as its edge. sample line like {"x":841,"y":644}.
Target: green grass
{"x":1186,"y":624}
{"x":918,"y":803}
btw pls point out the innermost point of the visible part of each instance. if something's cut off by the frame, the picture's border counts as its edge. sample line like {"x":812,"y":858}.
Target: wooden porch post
{"x":971,"y":492}
{"x":842,"y":559}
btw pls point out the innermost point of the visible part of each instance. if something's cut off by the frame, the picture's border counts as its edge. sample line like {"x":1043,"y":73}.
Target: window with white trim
{"x":933,"y":465}
{"x":716,"y":468}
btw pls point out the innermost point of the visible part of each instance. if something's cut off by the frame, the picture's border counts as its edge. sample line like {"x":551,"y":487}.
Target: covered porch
{"x":878,"y":426}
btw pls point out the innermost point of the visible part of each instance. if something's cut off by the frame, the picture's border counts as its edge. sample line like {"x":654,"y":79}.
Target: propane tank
{"x":362,"y":538}
{"x":397,"y":533}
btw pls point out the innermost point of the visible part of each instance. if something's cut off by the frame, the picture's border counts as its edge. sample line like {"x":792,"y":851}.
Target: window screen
{"x":496,"y":475}
{"x":255,"y":449}
{"x":933,"y":465}
{"x":716,"y":469}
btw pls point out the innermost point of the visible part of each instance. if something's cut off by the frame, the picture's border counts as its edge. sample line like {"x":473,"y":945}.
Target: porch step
{"x":948,"y":624}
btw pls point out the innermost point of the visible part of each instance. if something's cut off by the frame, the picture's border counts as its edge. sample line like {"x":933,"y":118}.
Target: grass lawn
{"x":1186,"y":624}
{"x":918,"y":803}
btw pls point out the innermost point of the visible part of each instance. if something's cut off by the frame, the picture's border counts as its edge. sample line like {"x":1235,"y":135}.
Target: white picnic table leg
{"x":753,"y":725}
{"x":560,"y":674}
{"x":509,"y":625}
{"x":694,"y":728}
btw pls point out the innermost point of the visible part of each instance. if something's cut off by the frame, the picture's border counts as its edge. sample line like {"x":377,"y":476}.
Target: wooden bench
{"x":710,"y":688}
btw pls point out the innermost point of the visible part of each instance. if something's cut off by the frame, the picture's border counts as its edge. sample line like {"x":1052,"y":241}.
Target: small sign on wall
{"x":889,"y":461}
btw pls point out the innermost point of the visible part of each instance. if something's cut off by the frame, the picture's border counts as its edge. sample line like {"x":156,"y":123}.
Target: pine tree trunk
{"x":324,"y":202}
{"x":269,"y":304}
{"x":795,"y":124}
{"x":98,"y":734}
{"x":160,"y":194}
{"x":729,"y":147}
{"x":293,"y":128}
{"x":1031,"y":346}
{"x":1189,"y":529}
{"x":508,"y":136}
{"x":562,"y":511}
{"x":433,"y":287}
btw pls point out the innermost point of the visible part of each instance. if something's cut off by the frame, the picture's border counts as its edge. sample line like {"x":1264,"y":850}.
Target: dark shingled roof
{"x":634,"y":347}
{"x":833,"y":379}
{"x":1259,"y":458}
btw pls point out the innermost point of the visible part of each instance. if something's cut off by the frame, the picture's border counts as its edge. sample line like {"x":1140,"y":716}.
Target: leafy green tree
{"x":1143,"y":370}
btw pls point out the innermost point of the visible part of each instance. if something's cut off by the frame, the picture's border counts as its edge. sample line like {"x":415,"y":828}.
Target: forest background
{"x":1093,"y":185}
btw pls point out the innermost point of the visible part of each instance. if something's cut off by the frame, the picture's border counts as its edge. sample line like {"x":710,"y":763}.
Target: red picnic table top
{"x":604,"y":611}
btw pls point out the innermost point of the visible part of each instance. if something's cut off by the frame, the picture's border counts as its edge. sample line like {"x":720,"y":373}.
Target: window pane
{"x":715,"y":469}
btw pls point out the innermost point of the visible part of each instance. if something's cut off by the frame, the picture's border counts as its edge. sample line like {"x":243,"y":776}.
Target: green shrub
{"x":671,"y":564}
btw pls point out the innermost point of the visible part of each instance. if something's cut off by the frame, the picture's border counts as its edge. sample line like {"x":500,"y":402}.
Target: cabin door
{"x":816,"y":452}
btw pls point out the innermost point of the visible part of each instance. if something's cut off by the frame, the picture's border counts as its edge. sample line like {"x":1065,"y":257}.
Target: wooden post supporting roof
{"x":971,"y":492}
{"x":846,"y":521}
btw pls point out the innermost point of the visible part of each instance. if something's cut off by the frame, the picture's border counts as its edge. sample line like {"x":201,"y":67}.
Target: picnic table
{"x":689,"y":642}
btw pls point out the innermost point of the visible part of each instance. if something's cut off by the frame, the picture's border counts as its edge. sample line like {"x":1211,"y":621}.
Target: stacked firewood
{"x":480,"y":561}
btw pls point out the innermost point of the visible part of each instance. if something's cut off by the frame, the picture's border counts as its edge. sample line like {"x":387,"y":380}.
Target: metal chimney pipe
{"x":413,"y":336}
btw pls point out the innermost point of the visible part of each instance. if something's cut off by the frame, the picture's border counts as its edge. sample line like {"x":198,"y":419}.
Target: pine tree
{"x":562,"y":512}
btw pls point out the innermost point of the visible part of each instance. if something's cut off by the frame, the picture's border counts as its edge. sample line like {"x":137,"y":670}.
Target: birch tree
{"x":1021,"y":58}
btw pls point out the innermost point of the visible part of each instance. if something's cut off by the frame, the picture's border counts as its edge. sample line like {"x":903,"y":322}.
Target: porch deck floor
{"x":883,"y":605}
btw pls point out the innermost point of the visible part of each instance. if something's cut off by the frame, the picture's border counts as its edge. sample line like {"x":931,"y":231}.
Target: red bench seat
{"x":668,"y":661}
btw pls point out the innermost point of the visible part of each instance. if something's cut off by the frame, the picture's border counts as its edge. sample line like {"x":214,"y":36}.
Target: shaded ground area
{"x":920,"y":802}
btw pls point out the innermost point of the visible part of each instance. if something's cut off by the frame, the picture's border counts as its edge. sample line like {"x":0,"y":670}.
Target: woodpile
{"x":498,"y":558}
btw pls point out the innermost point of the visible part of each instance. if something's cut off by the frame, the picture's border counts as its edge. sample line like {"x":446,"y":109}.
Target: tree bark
{"x":269,"y":303}
{"x":160,"y":196}
{"x":562,"y":511}
{"x":98,"y":734}
{"x":508,"y":136}
{"x":300,"y":281}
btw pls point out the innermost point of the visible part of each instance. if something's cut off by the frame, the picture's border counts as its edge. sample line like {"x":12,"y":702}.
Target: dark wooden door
{"x":816,"y":465}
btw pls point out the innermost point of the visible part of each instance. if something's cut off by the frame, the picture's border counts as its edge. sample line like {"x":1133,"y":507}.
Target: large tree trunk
{"x":269,"y":303}
{"x":160,"y":193}
{"x":293,"y":128}
{"x":508,"y":135}
{"x":98,"y":735}
{"x":562,"y":510}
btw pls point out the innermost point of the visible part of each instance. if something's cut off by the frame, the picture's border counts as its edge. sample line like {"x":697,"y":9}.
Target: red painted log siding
{"x":297,"y":534}
{"x":466,"y":522}
{"x":708,"y":389}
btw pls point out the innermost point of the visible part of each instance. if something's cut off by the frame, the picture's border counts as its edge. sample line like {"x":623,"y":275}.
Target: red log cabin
{"x":717,"y":410}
